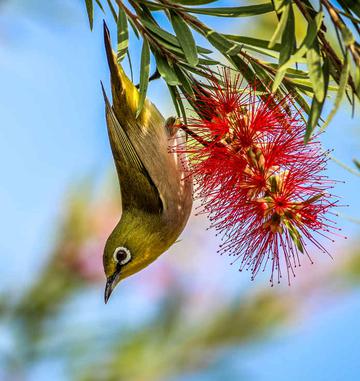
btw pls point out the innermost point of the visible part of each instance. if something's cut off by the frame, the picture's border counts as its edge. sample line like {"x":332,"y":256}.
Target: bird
{"x":155,"y":186}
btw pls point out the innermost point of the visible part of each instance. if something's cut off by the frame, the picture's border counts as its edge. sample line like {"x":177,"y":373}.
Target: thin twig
{"x":343,"y":165}
{"x":329,"y":51}
{"x":339,"y":24}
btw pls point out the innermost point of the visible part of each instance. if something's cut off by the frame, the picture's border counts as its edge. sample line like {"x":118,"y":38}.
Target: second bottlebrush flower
{"x":263,"y":189}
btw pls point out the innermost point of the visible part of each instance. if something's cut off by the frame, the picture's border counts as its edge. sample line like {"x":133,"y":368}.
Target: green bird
{"x":156,"y":192}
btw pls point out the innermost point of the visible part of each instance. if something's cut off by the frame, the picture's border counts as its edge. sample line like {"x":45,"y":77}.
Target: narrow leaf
{"x":311,"y":34}
{"x":90,"y":11}
{"x":165,"y":70}
{"x":244,"y":11}
{"x":287,"y":46}
{"x":346,"y":34}
{"x":317,"y":105}
{"x":264,"y":44}
{"x":279,"y":4}
{"x":280,"y":27}
{"x":315,"y":113}
{"x":221,"y":43}
{"x":130,"y":66}
{"x":168,"y":37}
{"x":194,"y":2}
{"x":144,"y":75}
{"x":112,"y":9}
{"x":357,"y":80}
{"x":315,"y":71}
{"x":341,"y":92}
{"x":185,"y":83}
{"x":100,"y":5}
{"x":174,"y":96}
{"x":185,"y":38}
{"x":122,"y":35}
{"x":313,"y":28}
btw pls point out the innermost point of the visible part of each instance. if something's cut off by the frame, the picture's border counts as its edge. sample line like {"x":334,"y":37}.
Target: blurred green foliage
{"x":172,"y":342}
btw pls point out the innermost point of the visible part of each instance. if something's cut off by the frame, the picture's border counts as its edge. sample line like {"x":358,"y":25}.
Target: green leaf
{"x":279,"y":4}
{"x":353,"y":5}
{"x":313,"y":28}
{"x":265,"y":52}
{"x":315,"y":113}
{"x":130,"y":65}
{"x":133,"y":27}
{"x":357,"y":80}
{"x":194,"y":2}
{"x":341,"y":92}
{"x":100,"y":5}
{"x":221,"y":43}
{"x":208,"y":62}
{"x":295,"y":236}
{"x":112,"y":9}
{"x":296,"y":73}
{"x":346,"y":34}
{"x":174,"y":97}
{"x":280,"y":27}
{"x":287,"y":45}
{"x":168,"y":37}
{"x":315,"y":71}
{"x":165,"y":70}
{"x":312,"y":31}
{"x":263,"y":44}
{"x":244,"y":11}
{"x":294,"y":91}
{"x":317,"y":105}
{"x":179,"y":106}
{"x":122,"y":35}
{"x":160,"y":32}
{"x":90,"y":11}
{"x":185,"y":38}
{"x":244,"y":68}
{"x":185,"y":83}
{"x":144,"y":75}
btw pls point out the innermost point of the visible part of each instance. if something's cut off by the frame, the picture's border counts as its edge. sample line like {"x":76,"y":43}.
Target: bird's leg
{"x":172,"y":126}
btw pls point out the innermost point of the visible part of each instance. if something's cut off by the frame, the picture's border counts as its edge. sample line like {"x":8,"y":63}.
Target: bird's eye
{"x":122,"y":255}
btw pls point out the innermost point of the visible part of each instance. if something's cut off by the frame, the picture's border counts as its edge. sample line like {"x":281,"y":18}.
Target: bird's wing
{"x":137,"y":187}
{"x":147,"y":133}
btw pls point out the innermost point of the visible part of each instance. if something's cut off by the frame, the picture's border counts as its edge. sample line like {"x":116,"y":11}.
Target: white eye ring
{"x":125,"y":259}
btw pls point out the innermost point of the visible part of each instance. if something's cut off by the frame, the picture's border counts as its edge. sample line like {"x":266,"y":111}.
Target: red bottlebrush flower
{"x":222,"y":96}
{"x":262,"y":187}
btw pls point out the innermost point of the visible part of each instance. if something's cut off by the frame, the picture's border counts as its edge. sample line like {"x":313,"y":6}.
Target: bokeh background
{"x":189,"y":316}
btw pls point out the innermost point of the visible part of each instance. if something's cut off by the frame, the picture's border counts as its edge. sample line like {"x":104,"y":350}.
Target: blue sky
{"x":53,"y":132}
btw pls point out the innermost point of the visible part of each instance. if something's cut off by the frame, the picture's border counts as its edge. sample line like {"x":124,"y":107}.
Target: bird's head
{"x":130,"y":247}
{"x":116,"y":258}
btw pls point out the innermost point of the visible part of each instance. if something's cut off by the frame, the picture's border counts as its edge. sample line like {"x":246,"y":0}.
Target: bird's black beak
{"x":111,"y":282}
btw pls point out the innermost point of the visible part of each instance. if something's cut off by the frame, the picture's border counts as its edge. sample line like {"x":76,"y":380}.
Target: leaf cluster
{"x":274,"y":62}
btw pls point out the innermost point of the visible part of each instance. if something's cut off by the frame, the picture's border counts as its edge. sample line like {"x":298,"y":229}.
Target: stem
{"x":339,"y":24}
{"x":343,"y":165}
{"x":329,"y":51}
{"x":194,"y":135}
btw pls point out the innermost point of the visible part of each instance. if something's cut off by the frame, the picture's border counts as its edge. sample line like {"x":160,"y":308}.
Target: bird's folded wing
{"x":137,"y":187}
